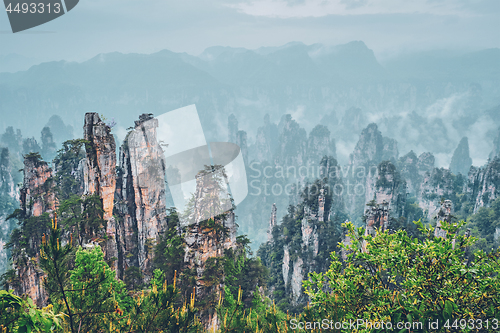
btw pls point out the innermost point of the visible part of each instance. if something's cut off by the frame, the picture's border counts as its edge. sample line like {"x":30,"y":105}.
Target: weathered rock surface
{"x":9,"y":200}
{"x":372,"y":149}
{"x":461,"y":161}
{"x":437,"y":184}
{"x":37,"y":196}
{"x":266,"y":142}
{"x":483,"y":185}
{"x":209,"y":235}
{"x":319,"y":144}
{"x":140,"y":196}
{"x":99,"y":174}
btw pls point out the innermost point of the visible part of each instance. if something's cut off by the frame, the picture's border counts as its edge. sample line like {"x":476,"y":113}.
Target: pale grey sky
{"x":386,"y":26}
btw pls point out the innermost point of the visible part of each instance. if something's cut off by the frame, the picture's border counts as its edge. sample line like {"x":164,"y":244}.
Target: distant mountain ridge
{"x":307,"y":81}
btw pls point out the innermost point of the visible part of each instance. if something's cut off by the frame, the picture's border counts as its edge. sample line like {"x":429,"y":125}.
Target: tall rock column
{"x":208,"y":236}
{"x":99,"y":170}
{"x":9,"y":200}
{"x":100,"y":175}
{"x":140,"y":199}
{"x":37,"y":196}
{"x":444,"y":214}
{"x":461,"y":161}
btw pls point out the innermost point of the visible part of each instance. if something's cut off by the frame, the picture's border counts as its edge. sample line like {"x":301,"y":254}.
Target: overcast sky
{"x":386,"y":26}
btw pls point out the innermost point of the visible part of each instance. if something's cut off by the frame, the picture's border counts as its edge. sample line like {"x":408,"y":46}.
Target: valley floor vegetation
{"x":387,"y":278}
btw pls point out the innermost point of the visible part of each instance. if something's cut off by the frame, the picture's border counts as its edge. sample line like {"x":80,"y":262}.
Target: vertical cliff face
{"x":9,"y":200}
{"x":238,"y":137}
{"x":99,"y":175}
{"x":207,"y":237}
{"x":309,"y":232}
{"x":444,"y":214}
{"x":319,"y":144}
{"x":292,"y":143}
{"x":266,"y":142}
{"x":363,"y":182}
{"x":388,"y":187}
{"x":461,"y":161}
{"x":483,"y":185}
{"x":272,"y":223}
{"x":436,"y":184}
{"x":37,"y":196}
{"x":140,"y":196}
{"x":413,"y":169}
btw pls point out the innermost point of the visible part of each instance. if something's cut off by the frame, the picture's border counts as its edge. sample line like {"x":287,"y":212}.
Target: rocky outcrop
{"x":99,"y":175}
{"x":390,"y":151}
{"x":272,"y":223}
{"x":238,"y":137}
{"x":9,"y":200}
{"x":30,"y":146}
{"x":37,"y":195}
{"x":387,"y":187}
{"x":319,"y":144}
{"x":436,"y":185}
{"x":363,"y":179}
{"x":266,"y":142}
{"x":208,"y":236}
{"x":461,"y":161}
{"x":444,"y":214}
{"x":413,"y":169}
{"x":377,"y":217}
{"x":140,"y":202}
{"x":483,"y":185}
{"x":292,"y":143}
{"x":372,"y":148}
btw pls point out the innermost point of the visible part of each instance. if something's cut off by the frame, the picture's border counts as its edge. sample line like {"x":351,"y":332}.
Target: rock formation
{"x":483,"y":185}
{"x":37,"y":196}
{"x":266,"y":142}
{"x":319,"y":144}
{"x":238,"y":137}
{"x":444,"y":214}
{"x":272,"y":223}
{"x":292,"y":143}
{"x":387,"y":188}
{"x":208,"y":236}
{"x":140,"y":196}
{"x":9,"y":199}
{"x":437,"y":184}
{"x":461,"y":161}
{"x":372,"y":149}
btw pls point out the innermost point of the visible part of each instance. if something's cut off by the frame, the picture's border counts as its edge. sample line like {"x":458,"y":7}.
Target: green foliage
{"x":67,"y":161}
{"x":484,"y":225}
{"x":261,"y":317}
{"x":83,"y":216}
{"x":155,"y":311}
{"x":25,"y":240}
{"x":21,"y":315}
{"x":399,"y":278}
{"x":96,"y":296}
{"x":289,"y":234}
{"x":34,"y":157}
{"x":169,"y":250}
